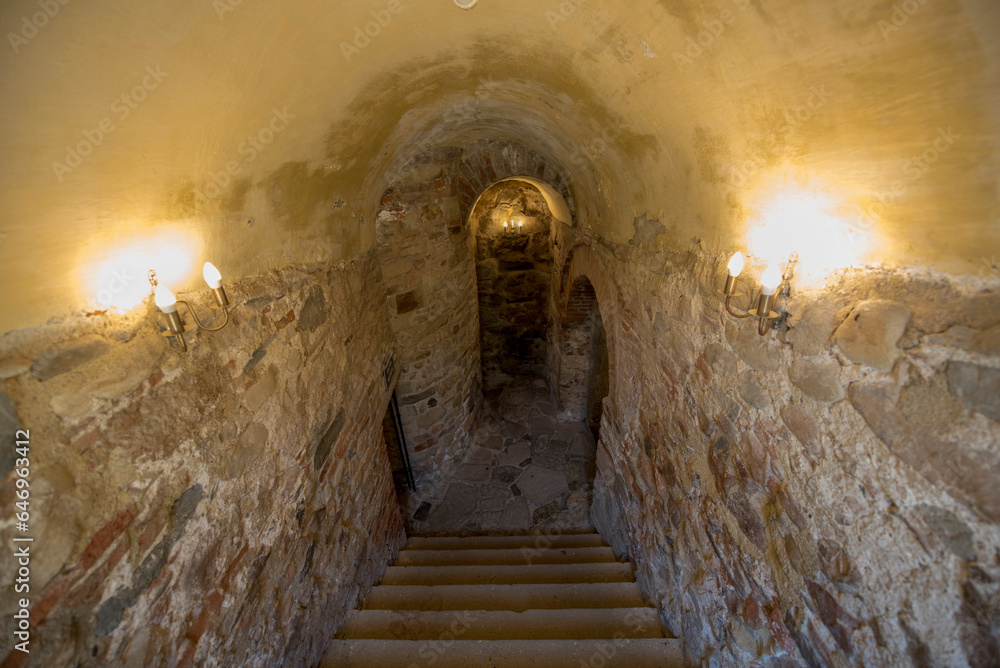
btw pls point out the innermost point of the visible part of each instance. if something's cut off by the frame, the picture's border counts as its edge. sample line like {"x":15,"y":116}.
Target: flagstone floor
{"x":525,"y":471}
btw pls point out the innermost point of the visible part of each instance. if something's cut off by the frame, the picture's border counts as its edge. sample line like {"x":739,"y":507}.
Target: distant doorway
{"x":583,"y":357}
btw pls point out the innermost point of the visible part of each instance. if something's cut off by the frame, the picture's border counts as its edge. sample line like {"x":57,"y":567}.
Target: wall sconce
{"x":167,"y":303}
{"x":770,"y":280}
{"x":513,"y":221}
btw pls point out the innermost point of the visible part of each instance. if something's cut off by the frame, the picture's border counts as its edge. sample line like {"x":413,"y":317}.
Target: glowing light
{"x":770,"y":280}
{"x":211,"y":275}
{"x":118,"y":280}
{"x":165,"y":299}
{"x":805,"y":223}
{"x":736,"y":263}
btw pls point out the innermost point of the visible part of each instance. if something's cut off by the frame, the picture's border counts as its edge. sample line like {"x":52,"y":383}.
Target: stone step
{"x":505,"y":556}
{"x":516,"y":597}
{"x":539,"y":541}
{"x":522,"y":574}
{"x":623,"y":653}
{"x":572,"y":624}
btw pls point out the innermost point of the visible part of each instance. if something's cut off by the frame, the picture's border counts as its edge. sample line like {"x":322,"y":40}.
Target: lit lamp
{"x":214,"y":280}
{"x":505,"y":229}
{"x":769,"y":282}
{"x":167,"y":303}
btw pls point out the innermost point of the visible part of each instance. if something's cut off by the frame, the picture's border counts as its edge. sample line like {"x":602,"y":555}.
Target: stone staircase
{"x":505,"y":601}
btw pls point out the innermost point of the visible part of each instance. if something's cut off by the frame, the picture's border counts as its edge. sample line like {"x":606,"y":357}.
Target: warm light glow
{"x":211,"y":275}
{"x":736,"y":263}
{"x":770,"y":280}
{"x":789,"y":221}
{"x":117,"y":279}
{"x":165,"y":299}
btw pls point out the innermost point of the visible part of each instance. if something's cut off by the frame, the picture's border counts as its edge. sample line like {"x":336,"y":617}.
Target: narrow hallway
{"x":525,"y":470}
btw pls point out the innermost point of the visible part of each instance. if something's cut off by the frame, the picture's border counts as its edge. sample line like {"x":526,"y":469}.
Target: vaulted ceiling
{"x":262,"y":134}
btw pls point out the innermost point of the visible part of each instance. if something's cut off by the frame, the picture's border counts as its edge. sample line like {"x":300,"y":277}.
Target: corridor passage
{"x":525,"y":470}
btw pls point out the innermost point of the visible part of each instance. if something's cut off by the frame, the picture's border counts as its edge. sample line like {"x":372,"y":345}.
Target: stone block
{"x":837,"y":565}
{"x":953,"y":532}
{"x":871,"y":331}
{"x":818,"y":380}
{"x":811,"y":330}
{"x":751,"y":391}
{"x":541,"y":485}
{"x":315,"y":311}
{"x":803,"y":426}
{"x":62,"y":358}
{"x":758,"y":352}
{"x":977,"y":386}
{"x":255,"y":397}
{"x":969,"y":475}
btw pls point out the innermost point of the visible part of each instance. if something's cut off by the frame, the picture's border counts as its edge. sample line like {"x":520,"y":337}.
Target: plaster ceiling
{"x":259,"y":135}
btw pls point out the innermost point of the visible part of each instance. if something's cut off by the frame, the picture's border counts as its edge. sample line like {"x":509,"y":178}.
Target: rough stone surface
{"x":9,"y":426}
{"x":425,"y":251}
{"x":871,"y":331}
{"x":811,"y":330}
{"x":969,"y":474}
{"x":752,"y":392}
{"x":759,"y":352}
{"x":818,"y":380}
{"x":771,"y":525}
{"x":179,"y":505}
{"x":953,"y":532}
{"x":56,"y":360}
{"x":977,"y":386}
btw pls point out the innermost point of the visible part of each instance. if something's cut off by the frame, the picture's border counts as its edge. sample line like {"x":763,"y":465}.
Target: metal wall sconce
{"x":770,"y":280}
{"x":167,"y":303}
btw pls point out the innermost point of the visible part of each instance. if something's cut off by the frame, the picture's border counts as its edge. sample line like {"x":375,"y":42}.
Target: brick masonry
{"x":804,"y":497}
{"x":425,"y":251}
{"x":201,"y":508}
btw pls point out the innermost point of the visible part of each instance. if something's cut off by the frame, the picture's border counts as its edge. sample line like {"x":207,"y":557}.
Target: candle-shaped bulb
{"x":736,"y":264}
{"x":165,"y":299}
{"x":212,"y":275}
{"x":770,"y":280}
{"x":520,"y":224}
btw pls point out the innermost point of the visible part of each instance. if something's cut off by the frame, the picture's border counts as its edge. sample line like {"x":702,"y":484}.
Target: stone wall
{"x":824,"y":495}
{"x":224,"y":506}
{"x":425,"y":250}
{"x":513,"y":271}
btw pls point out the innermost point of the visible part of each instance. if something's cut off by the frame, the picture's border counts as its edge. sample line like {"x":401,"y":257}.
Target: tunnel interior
{"x":816,"y":487}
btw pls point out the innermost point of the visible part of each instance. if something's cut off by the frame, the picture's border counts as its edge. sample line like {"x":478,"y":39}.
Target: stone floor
{"x":524,"y":471}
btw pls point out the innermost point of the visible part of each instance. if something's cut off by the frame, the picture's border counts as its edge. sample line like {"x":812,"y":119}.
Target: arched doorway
{"x":583,"y":357}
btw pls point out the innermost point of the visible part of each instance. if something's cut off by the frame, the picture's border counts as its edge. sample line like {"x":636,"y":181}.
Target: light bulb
{"x":165,"y":299}
{"x":212,"y":275}
{"x":770,"y":280}
{"x":736,"y":264}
